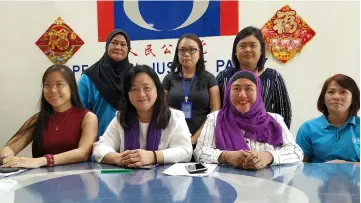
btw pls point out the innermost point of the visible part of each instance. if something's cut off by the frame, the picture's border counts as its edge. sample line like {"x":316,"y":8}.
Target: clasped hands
{"x":135,"y":158}
{"x":247,"y":159}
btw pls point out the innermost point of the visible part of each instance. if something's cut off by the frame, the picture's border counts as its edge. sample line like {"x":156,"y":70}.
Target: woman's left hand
{"x":24,"y":162}
{"x":257,"y":160}
{"x":138,"y":157}
{"x":194,"y":140}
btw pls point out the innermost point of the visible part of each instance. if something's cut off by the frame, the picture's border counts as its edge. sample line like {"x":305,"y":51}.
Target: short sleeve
{"x":211,"y":80}
{"x":304,"y":141}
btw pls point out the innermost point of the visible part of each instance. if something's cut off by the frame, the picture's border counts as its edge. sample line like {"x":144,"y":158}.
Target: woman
{"x":100,"y":87}
{"x":334,"y":136}
{"x":190,"y":85}
{"x":249,"y":53}
{"x":145,"y":130}
{"x":61,"y":133}
{"x":242,"y":133}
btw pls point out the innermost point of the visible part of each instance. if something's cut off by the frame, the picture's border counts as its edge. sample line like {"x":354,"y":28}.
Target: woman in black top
{"x":189,"y":87}
{"x":248,"y":53}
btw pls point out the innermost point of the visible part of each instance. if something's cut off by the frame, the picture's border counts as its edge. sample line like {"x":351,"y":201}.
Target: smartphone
{"x":195,"y":168}
{"x":8,"y":170}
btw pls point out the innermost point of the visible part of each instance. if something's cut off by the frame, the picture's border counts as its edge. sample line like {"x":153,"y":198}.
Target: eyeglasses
{"x":49,"y":86}
{"x":191,"y":51}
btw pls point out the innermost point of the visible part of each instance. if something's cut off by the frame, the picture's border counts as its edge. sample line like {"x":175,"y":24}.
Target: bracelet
{"x":50,"y":159}
{"x":155,"y":158}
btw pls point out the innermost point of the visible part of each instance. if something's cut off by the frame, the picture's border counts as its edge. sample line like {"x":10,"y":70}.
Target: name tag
{"x":186,"y":107}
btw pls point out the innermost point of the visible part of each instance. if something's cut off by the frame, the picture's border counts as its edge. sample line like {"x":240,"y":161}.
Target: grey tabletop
{"x":84,"y":182}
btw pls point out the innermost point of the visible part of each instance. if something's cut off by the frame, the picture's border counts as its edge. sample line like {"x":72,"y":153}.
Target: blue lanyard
{"x":186,"y":90}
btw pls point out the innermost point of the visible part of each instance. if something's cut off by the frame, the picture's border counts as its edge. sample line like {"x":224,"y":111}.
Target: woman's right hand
{"x":119,"y":158}
{"x":5,"y":153}
{"x":138,"y":157}
{"x":235,"y":158}
{"x":24,"y":162}
{"x":5,"y":158}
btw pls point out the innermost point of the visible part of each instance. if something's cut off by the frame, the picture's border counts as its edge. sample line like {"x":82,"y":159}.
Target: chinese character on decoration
{"x":204,"y":44}
{"x":149,"y":50}
{"x":166,"y":51}
{"x":286,"y":33}
{"x":134,"y":54}
{"x":59,"y":42}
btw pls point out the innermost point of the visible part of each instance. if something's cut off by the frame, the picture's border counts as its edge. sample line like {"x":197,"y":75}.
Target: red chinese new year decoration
{"x":59,"y":42}
{"x":286,"y":33}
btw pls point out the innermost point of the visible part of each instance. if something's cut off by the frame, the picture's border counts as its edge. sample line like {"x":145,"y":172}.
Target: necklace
{"x":57,"y":126}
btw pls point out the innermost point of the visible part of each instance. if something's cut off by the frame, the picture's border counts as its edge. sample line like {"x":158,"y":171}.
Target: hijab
{"x":108,"y":75}
{"x":232,"y":126}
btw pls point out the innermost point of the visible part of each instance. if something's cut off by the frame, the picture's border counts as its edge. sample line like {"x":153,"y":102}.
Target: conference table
{"x":84,"y":182}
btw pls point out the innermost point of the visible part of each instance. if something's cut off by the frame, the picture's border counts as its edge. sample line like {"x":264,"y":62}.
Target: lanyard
{"x":186,"y":90}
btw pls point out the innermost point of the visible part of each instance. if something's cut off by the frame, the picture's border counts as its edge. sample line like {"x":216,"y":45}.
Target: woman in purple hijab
{"x":145,"y":131}
{"x":242,"y":133}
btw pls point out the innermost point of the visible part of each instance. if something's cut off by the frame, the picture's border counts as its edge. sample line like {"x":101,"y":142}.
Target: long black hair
{"x":38,"y":123}
{"x":161,"y":113}
{"x":200,"y":66}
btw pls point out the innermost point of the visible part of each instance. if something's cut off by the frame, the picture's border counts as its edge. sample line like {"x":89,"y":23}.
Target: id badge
{"x":187,"y":109}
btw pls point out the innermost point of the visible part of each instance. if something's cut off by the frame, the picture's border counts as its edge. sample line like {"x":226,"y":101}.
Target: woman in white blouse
{"x":145,"y":131}
{"x":242,"y":133}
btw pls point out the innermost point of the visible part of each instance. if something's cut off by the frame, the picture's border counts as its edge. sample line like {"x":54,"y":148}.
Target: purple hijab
{"x":131,"y":138}
{"x":257,"y":124}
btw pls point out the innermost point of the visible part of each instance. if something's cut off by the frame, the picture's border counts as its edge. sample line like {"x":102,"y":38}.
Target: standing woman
{"x":189,"y":87}
{"x":100,"y":87}
{"x":249,"y":53}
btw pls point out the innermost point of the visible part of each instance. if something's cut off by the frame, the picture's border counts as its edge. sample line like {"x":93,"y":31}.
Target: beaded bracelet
{"x":50,"y":159}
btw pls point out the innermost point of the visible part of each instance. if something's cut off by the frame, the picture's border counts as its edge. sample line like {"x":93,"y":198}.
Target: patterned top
{"x":207,"y":152}
{"x":274,"y":92}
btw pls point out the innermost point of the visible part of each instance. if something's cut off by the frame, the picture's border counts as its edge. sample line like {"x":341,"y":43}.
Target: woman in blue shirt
{"x":100,"y":87}
{"x":334,"y":136}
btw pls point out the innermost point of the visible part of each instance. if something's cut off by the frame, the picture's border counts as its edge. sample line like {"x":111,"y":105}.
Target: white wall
{"x":334,"y":49}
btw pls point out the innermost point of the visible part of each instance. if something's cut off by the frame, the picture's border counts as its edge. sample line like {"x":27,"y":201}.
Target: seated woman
{"x":249,"y":53}
{"x":334,"y":136}
{"x":61,"y":133}
{"x":145,"y":131}
{"x":242,"y":133}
